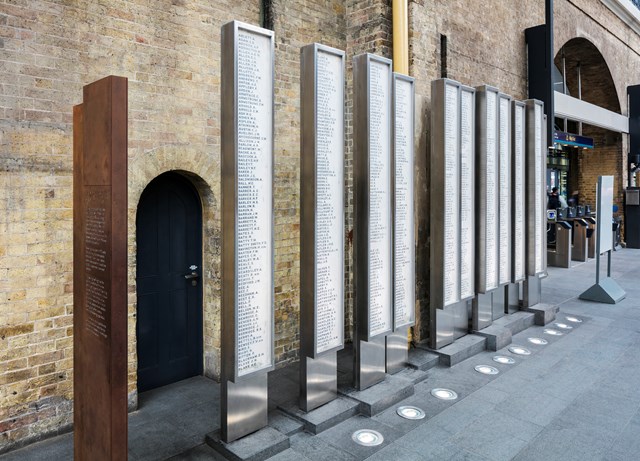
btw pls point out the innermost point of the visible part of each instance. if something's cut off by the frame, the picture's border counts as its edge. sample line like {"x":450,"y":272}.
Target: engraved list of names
{"x":329,"y":238}
{"x":452,"y":194}
{"x":380,"y":232}
{"x":404,"y":296}
{"x":254,"y":258}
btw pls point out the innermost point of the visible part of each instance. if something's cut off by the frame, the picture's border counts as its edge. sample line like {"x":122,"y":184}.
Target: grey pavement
{"x":578,"y":397}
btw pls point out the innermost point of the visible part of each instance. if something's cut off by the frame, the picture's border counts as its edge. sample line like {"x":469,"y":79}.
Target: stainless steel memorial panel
{"x":373,"y":233}
{"x":247,"y":225}
{"x":504,"y":189}
{"x":452,"y":223}
{"x":535,"y":188}
{"x":487,"y":188}
{"x":322,"y":222}
{"x":404,"y":285}
{"x":518,"y":204}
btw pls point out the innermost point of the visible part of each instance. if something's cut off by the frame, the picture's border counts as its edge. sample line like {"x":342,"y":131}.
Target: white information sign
{"x":404,"y":242}
{"x":491,"y":193}
{"x":452,"y":197}
{"x":329,"y":219}
{"x":539,"y":189}
{"x":519,"y":193}
{"x":254,"y":258}
{"x":467,"y":209}
{"x":505,"y":191}
{"x":380,"y":193}
{"x":604,"y":213}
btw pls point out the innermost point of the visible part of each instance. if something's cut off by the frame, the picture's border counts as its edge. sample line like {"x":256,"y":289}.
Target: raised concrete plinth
{"x":544,"y":313}
{"x":500,"y":332}
{"x":421,"y":359}
{"x":460,"y":350}
{"x":381,"y":396}
{"x":325,"y":416}
{"x":497,"y":337}
{"x":258,"y":446}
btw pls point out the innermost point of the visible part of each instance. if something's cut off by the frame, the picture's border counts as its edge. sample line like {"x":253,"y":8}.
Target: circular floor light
{"x":410,"y":412}
{"x":519,"y":350}
{"x":367,"y":437}
{"x":444,"y":394}
{"x":563,"y":326}
{"x":552,"y":332}
{"x":487,"y":369}
{"x":573,"y":319}
{"x":538,"y":341}
{"x":504,"y":359}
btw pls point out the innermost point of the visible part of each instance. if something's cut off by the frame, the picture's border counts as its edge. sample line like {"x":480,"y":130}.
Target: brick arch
{"x":598,"y":85}
{"x":202,"y":172}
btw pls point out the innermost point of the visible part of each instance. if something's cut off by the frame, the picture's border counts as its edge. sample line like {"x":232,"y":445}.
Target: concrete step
{"x":516,"y":322}
{"x":461,"y":349}
{"x":381,"y":396}
{"x":324,"y":417}
{"x":259,"y":446}
{"x":421,"y":359}
{"x":544,"y":313}
{"x":497,"y":336}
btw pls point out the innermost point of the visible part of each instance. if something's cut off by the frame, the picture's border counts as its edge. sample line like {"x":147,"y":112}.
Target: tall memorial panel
{"x":518,"y":192}
{"x":404,"y":285}
{"x":452,"y":222}
{"x":487,"y":188}
{"x":373,"y":232}
{"x":247,"y":226}
{"x":322,"y":222}
{"x":535,"y":188}
{"x":404,"y":238}
{"x":100,"y":271}
{"x":504,"y":188}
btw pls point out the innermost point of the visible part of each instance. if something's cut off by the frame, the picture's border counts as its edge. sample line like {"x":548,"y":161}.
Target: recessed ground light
{"x":444,"y":394}
{"x":504,"y":359}
{"x":486,"y":369}
{"x":519,"y":350}
{"x":563,"y":326}
{"x":573,"y":319}
{"x":410,"y":412}
{"x":367,"y":437}
{"x":538,"y":341}
{"x":552,"y":332}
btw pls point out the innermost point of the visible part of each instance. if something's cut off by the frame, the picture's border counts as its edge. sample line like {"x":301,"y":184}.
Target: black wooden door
{"x":169,"y":253}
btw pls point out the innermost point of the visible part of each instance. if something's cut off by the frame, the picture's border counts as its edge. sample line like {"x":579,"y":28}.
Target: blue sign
{"x":569,"y":139}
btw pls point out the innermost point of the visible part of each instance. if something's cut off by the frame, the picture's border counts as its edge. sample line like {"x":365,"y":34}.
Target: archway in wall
{"x":588,"y":77}
{"x":169,"y":288}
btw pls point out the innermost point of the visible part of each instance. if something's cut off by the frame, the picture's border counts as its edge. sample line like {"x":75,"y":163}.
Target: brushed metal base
{"x":369,"y":363}
{"x":513,"y":297}
{"x":499,"y":307}
{"x":244,"y":407}
{"x":448,"y":324}
{"x":482,"y":311}
{"x":397,"y":350}
{"x":318,"y":381}
{"x":531,"y":291}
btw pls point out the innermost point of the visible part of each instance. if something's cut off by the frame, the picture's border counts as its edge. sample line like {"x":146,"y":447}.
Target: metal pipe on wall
{"x":400,"y":15}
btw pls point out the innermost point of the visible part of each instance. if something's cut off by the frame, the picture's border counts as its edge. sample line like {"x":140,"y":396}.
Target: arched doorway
{"x":169,"y":293}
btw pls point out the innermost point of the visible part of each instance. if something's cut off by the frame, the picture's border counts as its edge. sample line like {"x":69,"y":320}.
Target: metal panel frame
{"x":361,"y":64}
{"x":411,"y":81}
{"x":308,"y":198}
{"x":243,"y":398}
{"x":504,"y":273}
{"x":483,"y":284}
{"x":518,"y":200}
{"x":534,"y":203}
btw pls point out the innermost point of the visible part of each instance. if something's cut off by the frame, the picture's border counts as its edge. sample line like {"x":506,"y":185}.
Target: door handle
{"x":193,"y":276}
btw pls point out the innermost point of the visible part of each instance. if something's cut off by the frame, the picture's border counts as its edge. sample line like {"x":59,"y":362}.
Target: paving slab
{"x":380,"y":396}
{"x":259,"y":446}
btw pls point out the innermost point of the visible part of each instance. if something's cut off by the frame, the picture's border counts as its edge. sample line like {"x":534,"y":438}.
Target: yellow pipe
{"x":400,"y":15}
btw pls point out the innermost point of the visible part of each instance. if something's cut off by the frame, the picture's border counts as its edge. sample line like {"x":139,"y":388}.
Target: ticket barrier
{"x":579,"y":251}
{"x":591,"y":236}
{"x":561,"y":255}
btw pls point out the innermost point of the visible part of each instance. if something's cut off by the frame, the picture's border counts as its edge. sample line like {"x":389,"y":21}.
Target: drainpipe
{"x":400,"y":15}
